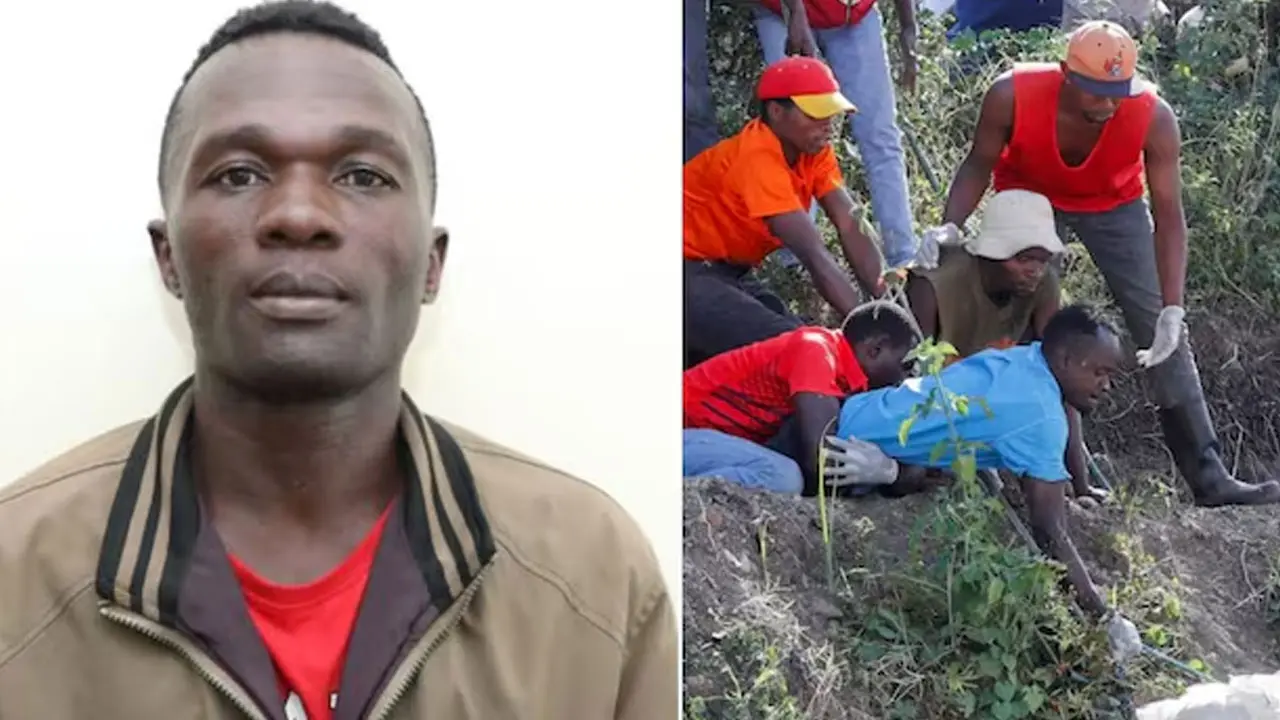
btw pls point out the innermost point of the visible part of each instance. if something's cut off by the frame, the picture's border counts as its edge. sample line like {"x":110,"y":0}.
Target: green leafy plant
{"x":973,"y":624}
{"x":980,"y":626}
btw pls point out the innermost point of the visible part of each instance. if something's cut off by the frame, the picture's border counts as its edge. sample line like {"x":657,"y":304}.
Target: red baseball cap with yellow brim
{"x":808,"y":83}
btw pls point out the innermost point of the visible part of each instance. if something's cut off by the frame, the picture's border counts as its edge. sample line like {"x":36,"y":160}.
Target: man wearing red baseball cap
{"x":851,"y":35}
{"x":749,"y":195}
{"x":1082,"y":133}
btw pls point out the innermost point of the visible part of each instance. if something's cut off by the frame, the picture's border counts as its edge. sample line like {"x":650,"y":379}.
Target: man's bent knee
{"x":711,"y":453}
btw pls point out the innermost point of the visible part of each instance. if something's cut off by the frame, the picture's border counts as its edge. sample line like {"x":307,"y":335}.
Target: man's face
{"x":1024,"y":271}
{"x":809,"y":135}
{"x":298,"y":230}
{"x":1096,"y":109}
{"x":1087,"y":371}
{"x":883,"y":363}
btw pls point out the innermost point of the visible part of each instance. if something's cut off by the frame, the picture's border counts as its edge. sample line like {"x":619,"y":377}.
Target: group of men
{"x":1067,"y":146}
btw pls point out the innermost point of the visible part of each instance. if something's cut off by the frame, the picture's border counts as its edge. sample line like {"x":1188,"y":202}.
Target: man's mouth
{"x":299,"y":297}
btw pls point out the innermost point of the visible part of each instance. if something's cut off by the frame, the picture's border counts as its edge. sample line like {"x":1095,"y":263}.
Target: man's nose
{"x":300,"y":209}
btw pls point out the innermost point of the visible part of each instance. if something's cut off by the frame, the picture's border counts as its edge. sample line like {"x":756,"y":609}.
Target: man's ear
{"x":873,"y":346}
{"x":435,"y":264}
{"x":163,"y":252}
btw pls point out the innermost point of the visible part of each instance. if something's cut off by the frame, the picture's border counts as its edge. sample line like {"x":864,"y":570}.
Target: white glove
{"x":856,"y":462}
{"x":931,"y":243}
{"x":1126,"y":643}
{"x":1169,"y":329}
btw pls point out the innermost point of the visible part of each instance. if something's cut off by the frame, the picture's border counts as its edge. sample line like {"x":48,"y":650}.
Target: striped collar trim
{"x":155,"y":517}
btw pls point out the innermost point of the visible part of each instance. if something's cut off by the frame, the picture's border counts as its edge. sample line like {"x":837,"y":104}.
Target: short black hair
{"x":1071,"y":326}
{"x":763,"y":106}
{"x":294,"y":16}
{"x":881,"y":317}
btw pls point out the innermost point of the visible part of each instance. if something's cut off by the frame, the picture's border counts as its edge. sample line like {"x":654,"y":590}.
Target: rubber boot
{"x":1189,"y":434}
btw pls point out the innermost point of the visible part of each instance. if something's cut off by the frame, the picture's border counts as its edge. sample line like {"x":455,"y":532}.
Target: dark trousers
{"x":1122,"y":244}
{"x":725,"y":308}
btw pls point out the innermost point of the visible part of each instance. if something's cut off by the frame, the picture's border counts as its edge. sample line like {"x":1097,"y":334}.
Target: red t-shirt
{"x":306,"y":627}
{"x":747,"y":392}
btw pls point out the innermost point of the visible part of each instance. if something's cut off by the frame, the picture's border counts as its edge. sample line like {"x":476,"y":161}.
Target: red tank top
{"x":825,"y":14}
{"x":1112,"y":174}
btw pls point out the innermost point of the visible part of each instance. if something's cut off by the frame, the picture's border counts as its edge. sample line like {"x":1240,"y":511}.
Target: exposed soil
{"x":1220,"y":558}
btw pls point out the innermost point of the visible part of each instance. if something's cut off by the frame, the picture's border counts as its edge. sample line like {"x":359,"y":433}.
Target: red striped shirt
{"x":748,"y":392}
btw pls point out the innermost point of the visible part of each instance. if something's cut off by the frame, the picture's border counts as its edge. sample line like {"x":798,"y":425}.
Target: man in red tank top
{"x":1082,"y":133}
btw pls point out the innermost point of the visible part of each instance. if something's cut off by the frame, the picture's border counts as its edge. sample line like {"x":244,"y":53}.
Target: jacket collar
{"x":155,"y":517}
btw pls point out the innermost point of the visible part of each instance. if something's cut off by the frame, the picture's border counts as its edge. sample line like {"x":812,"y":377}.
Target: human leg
{"x":723,"y":312}
{"x":711,"y":453}
{"x":858,"y":57}
{"x":1122,"y":246}
{"x":700,"y":128}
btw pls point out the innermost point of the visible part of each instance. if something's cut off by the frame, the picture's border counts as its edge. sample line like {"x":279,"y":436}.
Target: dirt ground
{"x":754,"y":575}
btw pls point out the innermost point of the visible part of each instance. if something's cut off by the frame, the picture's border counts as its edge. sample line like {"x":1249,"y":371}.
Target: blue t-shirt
{"x":1013,"y":15}
{"x":1026,"y":434}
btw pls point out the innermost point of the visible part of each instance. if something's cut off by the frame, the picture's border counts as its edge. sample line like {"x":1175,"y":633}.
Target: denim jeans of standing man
{"x":700,"y":128}
{"x":860,"y":62}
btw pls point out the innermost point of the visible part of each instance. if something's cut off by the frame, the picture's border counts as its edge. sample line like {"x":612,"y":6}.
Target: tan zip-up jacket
{"x":502,"y":589}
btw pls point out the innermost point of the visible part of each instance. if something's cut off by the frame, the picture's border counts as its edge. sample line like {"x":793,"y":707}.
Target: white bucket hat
{"x":1013,"y":221}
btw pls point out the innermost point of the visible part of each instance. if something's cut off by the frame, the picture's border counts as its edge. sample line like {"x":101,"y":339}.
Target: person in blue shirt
{"x":1012,"y":15}
{"x":1025,"y":432}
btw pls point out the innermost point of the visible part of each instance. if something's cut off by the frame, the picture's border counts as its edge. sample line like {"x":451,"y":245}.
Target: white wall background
{"x":558,"y":140}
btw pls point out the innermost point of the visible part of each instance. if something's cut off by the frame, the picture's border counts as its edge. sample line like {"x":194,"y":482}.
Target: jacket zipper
{"x":203,"y":665}
{"x":212,"y":675}
{"x":395,"y":693}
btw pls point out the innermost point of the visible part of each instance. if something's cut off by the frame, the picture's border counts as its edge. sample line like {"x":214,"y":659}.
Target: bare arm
{"x":1046,"y":502}
{"x":1163,"y":153}
{"x":859,"y":250}
{"x":906,"y":12}
{"x":995,"y":124}
{"x":795,"y":11}
{"x":800,"y":38}
{"x":797,"y":231}
{"x":924,"y":304}
{"x":814,"y":414}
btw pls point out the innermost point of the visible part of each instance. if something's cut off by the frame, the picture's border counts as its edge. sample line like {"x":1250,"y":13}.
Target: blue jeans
{"x":701,"y":130}
{"x":857,"y":56}
{"x":711,"y":453}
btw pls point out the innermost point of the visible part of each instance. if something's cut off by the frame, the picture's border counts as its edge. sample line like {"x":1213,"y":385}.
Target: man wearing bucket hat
{"x":1082,"y":133}
{"x":998,"y":290}
{"x":749,"y":195}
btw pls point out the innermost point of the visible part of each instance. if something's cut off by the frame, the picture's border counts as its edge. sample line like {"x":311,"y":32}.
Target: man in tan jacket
{"x":289,"y":537}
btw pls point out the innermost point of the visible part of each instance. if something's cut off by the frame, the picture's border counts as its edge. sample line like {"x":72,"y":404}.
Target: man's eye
{"x":365,"y":178}
{"x":238,"y":177}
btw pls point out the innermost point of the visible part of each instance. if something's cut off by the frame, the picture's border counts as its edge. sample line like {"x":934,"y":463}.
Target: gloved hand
{"x":856,"y":462}
{"x":947,"y":234}
{"x":1126,"y":643}
{"x":1169,"y":329}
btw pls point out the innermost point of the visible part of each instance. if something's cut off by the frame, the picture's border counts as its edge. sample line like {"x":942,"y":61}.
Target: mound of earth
{"x":764,"y":638}
{"x":754,"y":577}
